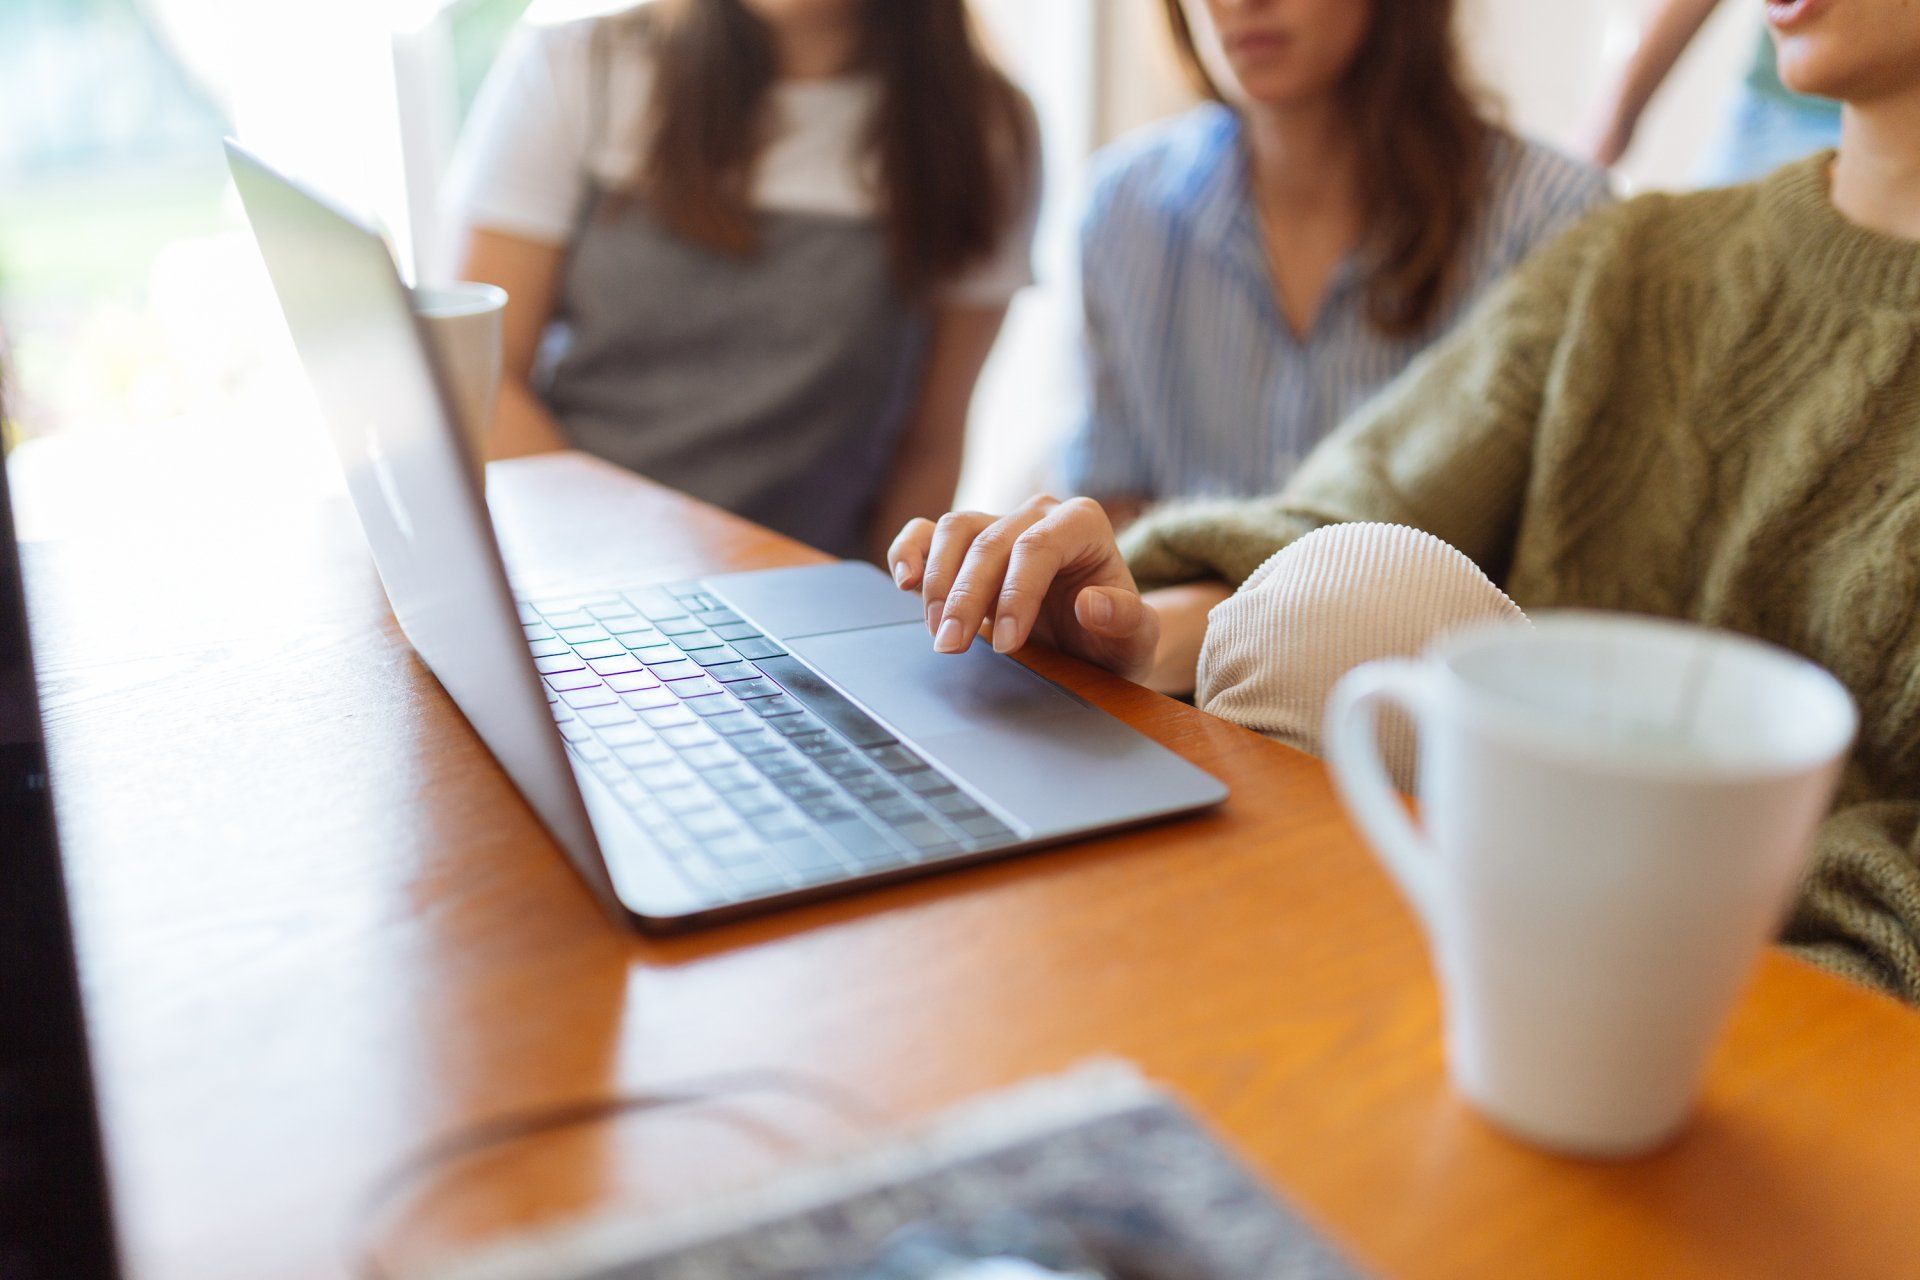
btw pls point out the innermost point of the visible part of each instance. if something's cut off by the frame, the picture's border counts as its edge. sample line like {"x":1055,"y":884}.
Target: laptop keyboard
{"x":752,"y":774}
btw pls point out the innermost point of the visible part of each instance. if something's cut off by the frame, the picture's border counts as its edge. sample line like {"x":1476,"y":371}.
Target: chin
{"x":1273,"y":89}
{"x":1816,"y":67}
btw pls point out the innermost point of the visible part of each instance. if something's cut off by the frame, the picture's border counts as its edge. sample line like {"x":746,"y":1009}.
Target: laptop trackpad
{"x":922,"y":694}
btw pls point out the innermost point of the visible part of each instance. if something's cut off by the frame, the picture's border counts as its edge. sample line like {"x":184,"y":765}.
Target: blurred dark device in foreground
{"x":1092,"y":1175}
{"x":54,"y":1217}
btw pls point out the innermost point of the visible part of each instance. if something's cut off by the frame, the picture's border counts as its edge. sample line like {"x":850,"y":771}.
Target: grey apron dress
{"x":775,"y":386}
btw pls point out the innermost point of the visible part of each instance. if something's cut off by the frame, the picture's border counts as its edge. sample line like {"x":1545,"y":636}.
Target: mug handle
{"x":1352,"y":739}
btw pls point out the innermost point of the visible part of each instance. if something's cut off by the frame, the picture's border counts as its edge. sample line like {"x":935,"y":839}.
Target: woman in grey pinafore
{"x":757,"y":250}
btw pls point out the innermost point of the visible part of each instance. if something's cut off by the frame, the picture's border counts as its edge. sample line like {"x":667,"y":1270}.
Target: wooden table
{"x":318,"y":928}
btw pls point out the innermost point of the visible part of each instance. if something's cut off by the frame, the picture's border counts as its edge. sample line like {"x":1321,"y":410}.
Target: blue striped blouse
{"x":1198,"y":386}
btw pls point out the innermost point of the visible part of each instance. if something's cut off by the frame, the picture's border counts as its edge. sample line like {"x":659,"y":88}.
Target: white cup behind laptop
{"x":464,"y":322}
{"x":1616,"y":815}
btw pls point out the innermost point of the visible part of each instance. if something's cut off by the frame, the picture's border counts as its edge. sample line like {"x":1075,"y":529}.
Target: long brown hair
{"x":952,"y":137}
{"x":1423,"y":142}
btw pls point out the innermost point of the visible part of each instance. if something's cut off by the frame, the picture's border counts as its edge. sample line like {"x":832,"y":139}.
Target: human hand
{"x":1050,"y":571}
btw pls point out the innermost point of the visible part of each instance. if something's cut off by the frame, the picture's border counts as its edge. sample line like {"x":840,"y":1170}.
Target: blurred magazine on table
{"x":1094,"y":1175}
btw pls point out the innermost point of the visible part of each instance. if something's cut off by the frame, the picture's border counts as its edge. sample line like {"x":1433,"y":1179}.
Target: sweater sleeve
{"x":1859,"y":910}
{"x":1446,"y":447}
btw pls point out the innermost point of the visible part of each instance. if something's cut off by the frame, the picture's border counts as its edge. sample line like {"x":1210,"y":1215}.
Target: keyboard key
{"x":567,"y":681}
{"x":806,"y":857}
{"x":692,"y":735}
{"x":754,"y":687}
{"x":622,"y":735}
{"x":737,"y":778}
{"x":575,"y":731}
{"x":955,"y":805}
{"x":596,"y":696}
{"x":801,"y":786}
{"x":539,"y":631}
{"x":649,"y":699}
{"x":678,"y":627}
{"x":716,"y":617}
{"x":757,"y":742}
{"x":816,"y":745}
{"x":656,"y":604}
{"x":926,"y":783}
{"x":731,"y":672}
{"x":738,"y":722}
{"x":800,"y":726}
{"x":865,"y":843}
{"x":986,"y":828}
{"x":784,"y":765}
{"x":712,"y":824}
{"x":653,"y":654}
{"x":778,"y":825}
{"x":592,"y":749}
{"x":694,"y":641}
{"x":894,"y":809}
{"x":716,"y":656}
{"x":843,"y":766}
{"x":554,"y":648}
{"x":758,"y":649}
{"x":611,"y":607}
{"x":564,"y":661}
{"x":778,"y":705}
{"x":633,"y":680}
{"x":928,"y":837}
{"x":615,"y":666}
{"x":681,"y":670}
{"x":731,"y":631}
{"x":698,"y":687}
{"x":896,"y":759}
{"x":681,"y":801}
{"x":825,"y":701}
{"x":755,"y":801}
{"x":714,"y":704}
{"x":527,"y":612}
{"x":643,"y":755}
{"x":669,"y":716}
{"x":693,"y":597}
{"x":564,"y":619}
{"x":583,"y":635}
{"x":868,"y":787}
{"x":601,"y":649}
{"x":712,"y":757}
{"x":601,"y":717}
{"x":825,"y":809}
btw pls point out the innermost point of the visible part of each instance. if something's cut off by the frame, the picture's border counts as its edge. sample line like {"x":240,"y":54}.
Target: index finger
{"x":907,"y":556}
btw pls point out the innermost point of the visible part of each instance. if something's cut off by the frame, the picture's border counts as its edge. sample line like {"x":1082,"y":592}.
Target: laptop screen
{"x":54,"y":1217}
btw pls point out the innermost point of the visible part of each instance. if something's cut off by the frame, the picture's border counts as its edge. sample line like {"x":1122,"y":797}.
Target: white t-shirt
{"x":523,"y":168}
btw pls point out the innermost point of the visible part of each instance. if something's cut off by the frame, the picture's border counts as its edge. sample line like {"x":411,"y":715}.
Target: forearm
{"x":1183,"y":614}
{"x":523,"y":424}
{"x":1671,"y":31}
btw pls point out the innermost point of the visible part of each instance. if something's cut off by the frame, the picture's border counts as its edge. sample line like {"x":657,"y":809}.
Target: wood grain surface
{"x":318,"y":928}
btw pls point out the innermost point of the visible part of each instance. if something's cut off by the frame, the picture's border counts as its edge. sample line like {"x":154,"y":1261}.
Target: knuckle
{"x":956,"y":521}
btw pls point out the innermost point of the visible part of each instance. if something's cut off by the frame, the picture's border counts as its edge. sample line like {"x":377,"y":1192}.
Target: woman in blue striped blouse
{"x":1257,"y":268}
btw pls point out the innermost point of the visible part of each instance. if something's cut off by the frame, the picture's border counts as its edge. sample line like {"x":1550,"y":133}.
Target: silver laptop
{"x":702,"y":749}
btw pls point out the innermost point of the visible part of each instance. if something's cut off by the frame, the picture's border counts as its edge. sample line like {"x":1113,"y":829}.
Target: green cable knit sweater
{"x":1704,"y":407}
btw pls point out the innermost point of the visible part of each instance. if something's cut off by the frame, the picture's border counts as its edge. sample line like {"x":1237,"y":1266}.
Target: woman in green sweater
{"x":1702,"y":406}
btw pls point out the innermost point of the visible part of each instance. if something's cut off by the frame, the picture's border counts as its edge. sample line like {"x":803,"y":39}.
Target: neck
{"x":816,"y":50}
{"x":1876,"y":179}
{"x":1302,"y":158}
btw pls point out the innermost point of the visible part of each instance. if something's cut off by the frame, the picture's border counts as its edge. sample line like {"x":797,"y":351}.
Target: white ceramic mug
{"x":1616,"y":814}
{"x":464,"y":323}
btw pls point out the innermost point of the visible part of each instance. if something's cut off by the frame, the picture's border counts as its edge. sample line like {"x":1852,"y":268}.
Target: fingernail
{"x":1004,"y":632}
{"x":934,"y":611}
{"x":1099,"y":610}
{"x":952,"y":637}
{"x":899,"y":573}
